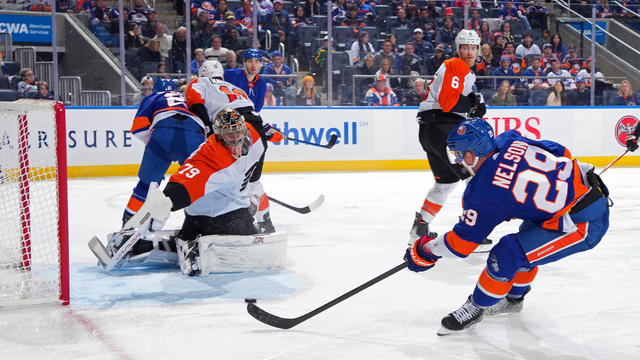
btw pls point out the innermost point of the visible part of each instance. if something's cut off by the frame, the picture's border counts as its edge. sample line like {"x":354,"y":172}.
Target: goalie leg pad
{"x":238,"y":253}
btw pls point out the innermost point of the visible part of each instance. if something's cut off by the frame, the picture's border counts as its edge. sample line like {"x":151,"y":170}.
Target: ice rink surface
{"x":582,"y":307}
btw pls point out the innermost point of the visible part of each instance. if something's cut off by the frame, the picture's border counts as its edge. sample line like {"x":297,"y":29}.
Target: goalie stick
{"x":613,"y":162}
{"x":288,"y":323}
{"x":329,"y":145}
{"x":302,"y":210}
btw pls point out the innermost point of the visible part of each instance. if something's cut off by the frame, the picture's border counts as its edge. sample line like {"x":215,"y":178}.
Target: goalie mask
{"x":230,"y":128}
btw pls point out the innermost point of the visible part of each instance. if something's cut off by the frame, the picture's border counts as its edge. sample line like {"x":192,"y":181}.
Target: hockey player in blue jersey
{"x":171,"y":133}
{"x":562,"y":202}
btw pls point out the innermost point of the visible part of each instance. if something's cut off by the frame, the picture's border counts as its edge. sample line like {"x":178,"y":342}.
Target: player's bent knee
{"x":504,"y":258}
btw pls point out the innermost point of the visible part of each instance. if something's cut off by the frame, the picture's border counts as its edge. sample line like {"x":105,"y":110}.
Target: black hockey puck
{"x":250,"y":300}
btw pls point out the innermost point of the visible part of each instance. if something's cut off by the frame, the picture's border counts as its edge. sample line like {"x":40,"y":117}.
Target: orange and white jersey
{"x":453,"y":79}
{"x":216,"y":95}
{"x":215,"y":180}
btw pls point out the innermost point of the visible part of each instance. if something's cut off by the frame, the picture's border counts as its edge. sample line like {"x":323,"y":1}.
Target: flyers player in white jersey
{"x":449,"y":100}
{"x":209,"y":93}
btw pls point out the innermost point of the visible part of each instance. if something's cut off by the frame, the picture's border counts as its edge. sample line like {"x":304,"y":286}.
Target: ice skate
{"x":266,"y":226}
{"x":419,"y":228}
{"x":506,"y":305}
{"x":461,"y":319}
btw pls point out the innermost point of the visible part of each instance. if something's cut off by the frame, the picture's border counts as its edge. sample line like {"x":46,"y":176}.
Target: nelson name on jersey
{"x":504,"y":172}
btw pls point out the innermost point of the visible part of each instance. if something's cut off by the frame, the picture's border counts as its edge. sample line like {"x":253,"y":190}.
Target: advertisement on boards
{"x":27,"y":28}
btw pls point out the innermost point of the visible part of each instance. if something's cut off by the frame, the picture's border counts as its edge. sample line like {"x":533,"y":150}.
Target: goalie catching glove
{"x":418,"y":258}
{"x":632,"y":139}
{"x":153,"y":213}
{"x":273,"y":134}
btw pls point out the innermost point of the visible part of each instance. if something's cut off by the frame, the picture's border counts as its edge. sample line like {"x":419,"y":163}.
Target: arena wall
{"x":100,"y":144}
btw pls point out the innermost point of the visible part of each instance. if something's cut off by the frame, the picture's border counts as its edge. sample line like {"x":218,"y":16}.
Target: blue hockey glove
{"x":273,"y":134}
{"x":418,"y":258}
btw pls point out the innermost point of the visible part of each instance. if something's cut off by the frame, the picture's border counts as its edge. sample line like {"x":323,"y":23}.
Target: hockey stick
{"x":613,"y":162}
{"x":287,"y":323}
{"x":302,"y":210}
{"x":329,"y":145}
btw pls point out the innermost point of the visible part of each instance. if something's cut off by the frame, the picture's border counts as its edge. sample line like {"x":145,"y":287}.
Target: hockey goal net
{"x":34,"y":260}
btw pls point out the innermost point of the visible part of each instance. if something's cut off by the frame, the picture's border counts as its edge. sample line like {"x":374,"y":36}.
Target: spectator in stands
{"x":234,"y":42}
{"x":148,"y":28}
{"x":27,"y":81}
{"x":505,"y":31}
{"x":580,"y":96}
{"x":487,"y":54}
{"x":433,"y":8}
{"x":415,"y":95}
{"x":367,"y":68}
{"x":105,"y":16}
{"x":586,"y":73}
{"x":202,"y":37}
{"x":481,"y":68}
{"x":446,"y":34}
{"x":232,"y":61}
{"x":299,"y":18}
{"x":505,"y":70}
{"x":264,"y":7}
{"x":475,"y":21}
{"x":545,"y":37}
{"x":625,"y":96}
{"x":364,"y":9}
{"x":201,"y":18}
{"x":584,"y":8}
{"x":339,"y":11}
{"x":244,"y":14}
{"x":269,"y":98}
{"x":312,"y":7}
{"x":408,"y":62}
{"x":223,"y":28}
{"x":43,"y":91}
{"x":216,"y":51}
{"x":622,"y":10}
{"x":427,"y":22}
{"x":146,"y":87}
{"x":278,"y":22}
{"x":436,"y":60}
{"x":498,"y":47}
{"x":178,"y":52}
{"x":401,"y":20}
{"x":556,"y":73}
{"x":132,"y":38}
{"x":220,"y":11}
{"x":409,"y":8}
{"x":307,"y":95}
{"x":423,"y":48}
{"x":318,"y":67}
{"x":557,"y":47}
{"x":536,"y":14}
{"x":353,"y":19}
{"x":277,"y":67}
{"x":139,"y":13}
{"x":150,"y":52}
{"x":510,"y":12}
{"x":486,"y":36}
{"x":572,"y":62}
{"x":504,"y":97}
{"x":164,"y":82}
{"x":602,"y":9}
{"x":164,"y":40}
{"x":361,"y":47}
{"x":386,"y":69}
{"x":197,"y":62}
{"x":527,"y":47}
{"x":394,"y":42}
{"x":510,"y":51}
{"x":536,"y":70}
{"x":556,"y":96}
{"x":385,"y":53}
{"x":547,"y":56}
{"x":126,"y":19}
{"x":380,"y":94}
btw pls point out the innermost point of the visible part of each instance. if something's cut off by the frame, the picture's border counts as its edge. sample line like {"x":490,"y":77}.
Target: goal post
{"x":34,"y":249}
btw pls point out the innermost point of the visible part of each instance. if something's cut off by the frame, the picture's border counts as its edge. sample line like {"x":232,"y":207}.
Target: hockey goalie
{"x":218,"y":233}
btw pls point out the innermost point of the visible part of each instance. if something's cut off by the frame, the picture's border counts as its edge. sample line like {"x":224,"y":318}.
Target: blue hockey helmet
{"x":475,"y":135}
{"x":252,"y":53}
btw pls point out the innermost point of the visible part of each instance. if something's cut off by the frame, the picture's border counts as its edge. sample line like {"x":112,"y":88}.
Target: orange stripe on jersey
{"x":134,"y":205}
{"x":452,"y":83}
{"x":493,"y":287}
{"x":579,"y":189}
{"x":558,"y":244}
{"x":461,"y":246}
{"x":431,"y":208}
{"x":525,"y":278}
{"x":140,"y":123}
{"x":192,"y":96}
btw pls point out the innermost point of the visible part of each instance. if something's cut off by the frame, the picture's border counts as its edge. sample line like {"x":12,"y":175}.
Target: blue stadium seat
{"x":288,"y":7}
{"x":306,"y":33}
{"x":13,"y":68}
{"x":494,"y":13}
{"x":402,"y":34}
{"x":517,"y":27}
{"x":339,"y":60}
{"x":487,"y":94}
{"x":373,"y":32}
{"x":234,"y":4}
{"x":8,"y":95}
{"x":320,"y":21}
{"x":31,"y":94}
{"x":341,"y":34}
{"x":538,"y":97}
{"x":347,"y":74}
{"x":608,"y":96}
{"x":148,"y":67}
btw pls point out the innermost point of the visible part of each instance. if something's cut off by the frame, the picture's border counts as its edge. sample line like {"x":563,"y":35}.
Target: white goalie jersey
{"x":216,"y":95}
